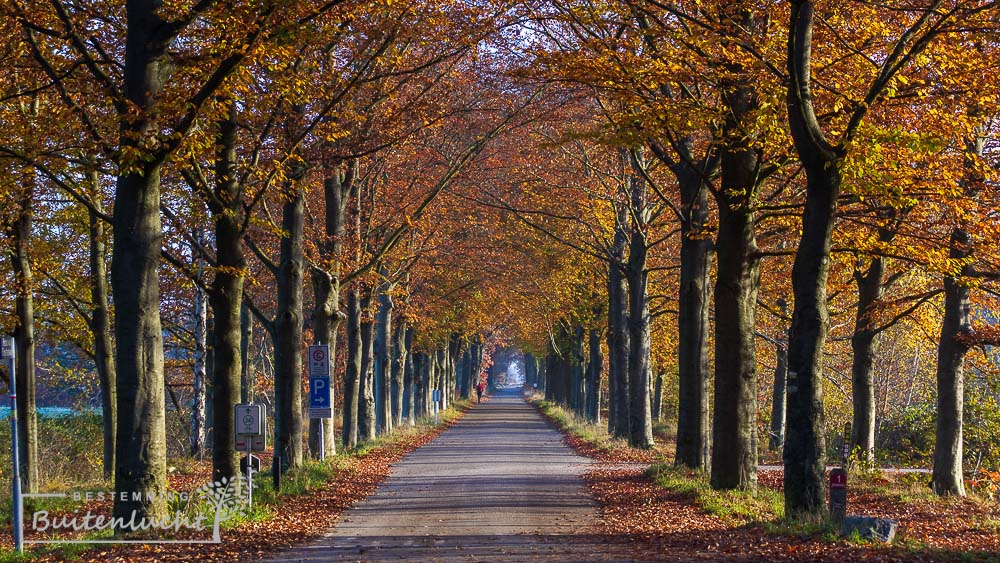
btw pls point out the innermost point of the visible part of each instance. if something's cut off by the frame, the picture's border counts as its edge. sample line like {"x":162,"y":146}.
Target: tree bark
{"x":288,"y":345}
{"x":246,"y":351}
{"x":409,"y":380}
{"x":637,"y":275}
{"x":383,"y":331}
{"x":946,"y":475}
{"x":863,"y":345}
{"x":24,"y":336}
{"x":692,"y":322}
{"x":140,"y":444}
{"x":657,"y":396}
{"x":200,"y":376}
{"x":352,"y":376}
{"x":579,"y":373}
{"x":618,"y":335}
{"x":399,"y":353}
{"x":338,"y":187}
{"x":100,"y":328}
{"x":734,"y":428}
{"x":777,"y":436}
{"x":226,"y":297}
{"x":594,"y":370}
{"x":805,"y":444}
{"x":366,"y":386}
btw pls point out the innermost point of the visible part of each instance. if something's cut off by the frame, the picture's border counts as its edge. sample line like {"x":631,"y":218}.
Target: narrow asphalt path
{"x":498,"y":485}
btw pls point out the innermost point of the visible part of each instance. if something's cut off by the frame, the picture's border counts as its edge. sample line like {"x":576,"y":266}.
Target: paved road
{"x":499,"y":485}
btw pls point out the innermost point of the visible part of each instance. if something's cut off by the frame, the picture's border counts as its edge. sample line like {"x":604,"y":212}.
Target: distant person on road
{"x":480,"y":389}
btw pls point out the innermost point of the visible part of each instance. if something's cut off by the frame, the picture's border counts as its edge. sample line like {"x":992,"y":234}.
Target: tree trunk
{"x":24,"y":336}
{"x":692,"y":324}
{"x":288,"y":345}
{"x":246,"y":351}
{"x":734,"y":428}
{"x":409,"y":380}
{"x":226,"y":295}
{"x":454,"y":355}
{"x":946,"y":477}
{"x":383,"y":410}
{"x":579,"y":373}
{"x":777,"y":437}
{"x":637,"y":274}
{"x":366,"y":386}
{"x":657,"y":397}
{"x":594,"y":371}
{"x":423,"y":385}
{"x":326,"y":320}
{"x":805,"y":444}
{"x":338,"y":187}
{"x":100,"y":327}
{"x":140,"y":444}
{"x":198,"y":429}
{"x":863,"y":345}
{"x":352,"y":376}
{"x":399,"y":353}
{"x":618,"y":335}
{"x":531,"y":370}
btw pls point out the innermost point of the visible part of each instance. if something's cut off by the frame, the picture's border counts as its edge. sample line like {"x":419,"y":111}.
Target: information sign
{"x":319,"y":360}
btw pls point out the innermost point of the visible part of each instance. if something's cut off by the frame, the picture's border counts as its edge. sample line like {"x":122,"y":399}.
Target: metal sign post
{"x":250,"y":427}
{"x":7,"y":352}
{"x":436,"y":400}
{"x":320,"y":391}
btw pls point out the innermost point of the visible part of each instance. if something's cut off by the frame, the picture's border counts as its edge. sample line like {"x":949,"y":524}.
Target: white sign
{"x":6,"y":347}
{"x":248,"y":420}
{"x":321,"y":413}
{"x":257,"y":443}
{"x":319,"y":360}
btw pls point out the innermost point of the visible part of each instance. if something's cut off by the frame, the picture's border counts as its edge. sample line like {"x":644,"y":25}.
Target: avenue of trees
{"x":759,"y":220}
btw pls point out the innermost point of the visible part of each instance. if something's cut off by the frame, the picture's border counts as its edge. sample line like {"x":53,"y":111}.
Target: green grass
{"x":596,"y":434}
{"x":733,"y":507}
{"x":32,"y":505}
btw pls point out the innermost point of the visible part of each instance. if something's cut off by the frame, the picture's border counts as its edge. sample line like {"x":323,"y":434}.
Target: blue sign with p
{"x":319,"y":392}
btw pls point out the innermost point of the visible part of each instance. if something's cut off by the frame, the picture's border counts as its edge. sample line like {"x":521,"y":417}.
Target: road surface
{"x":498,"y":485}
